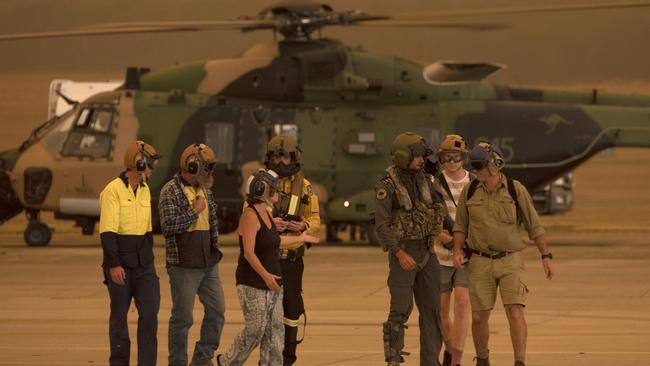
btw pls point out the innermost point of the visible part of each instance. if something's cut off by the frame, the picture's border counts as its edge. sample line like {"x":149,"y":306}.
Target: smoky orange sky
{"x":584,"y":46}
{"x":567,"y":48}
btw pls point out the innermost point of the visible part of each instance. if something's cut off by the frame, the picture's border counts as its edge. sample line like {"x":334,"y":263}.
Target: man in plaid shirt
{"x":188,"y":218}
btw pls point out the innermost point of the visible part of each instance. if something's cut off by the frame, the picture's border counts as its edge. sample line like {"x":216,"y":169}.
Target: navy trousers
{"x":143,"y":286}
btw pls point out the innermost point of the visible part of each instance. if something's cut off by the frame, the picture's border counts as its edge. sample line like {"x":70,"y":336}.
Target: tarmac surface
{"x":54,"y":308}
{"x":596,"y":311}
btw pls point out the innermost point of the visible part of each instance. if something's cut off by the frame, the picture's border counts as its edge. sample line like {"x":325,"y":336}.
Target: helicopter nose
{"x":10,"y":206}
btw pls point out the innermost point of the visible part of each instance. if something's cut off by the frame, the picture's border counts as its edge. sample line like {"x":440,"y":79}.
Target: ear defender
{"x":494,"y":154}
{"x":140,"y":160}
{"x":261,"y":184}
{"x":258,"y":188}
{"x":497,"y":161}
{"x":255,"y":186}
{"x":194,"y":160}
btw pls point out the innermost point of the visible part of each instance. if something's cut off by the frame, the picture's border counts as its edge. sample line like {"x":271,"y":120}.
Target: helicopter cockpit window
{"x":54,"y":139}
{"x":97,"y":120}
{"x":220,"y":136}
{"x":91,"y":135}
{"x":286,"y":129}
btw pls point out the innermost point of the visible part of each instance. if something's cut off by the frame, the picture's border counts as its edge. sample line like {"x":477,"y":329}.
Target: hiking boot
{"x":482,"y":361}
{"x":446,"y":359}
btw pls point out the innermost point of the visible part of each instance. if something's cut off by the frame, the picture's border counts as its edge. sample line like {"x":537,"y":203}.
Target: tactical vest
{"x":291,"y":201}
{"x":417,"y":220}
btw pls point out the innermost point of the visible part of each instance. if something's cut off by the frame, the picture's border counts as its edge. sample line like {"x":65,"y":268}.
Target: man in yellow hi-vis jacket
{"x":295,"y":212}
{"x":127,"y":242}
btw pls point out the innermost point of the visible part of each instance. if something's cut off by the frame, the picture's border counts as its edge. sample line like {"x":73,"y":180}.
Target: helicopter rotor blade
{"x":203,"y":24}
{"x":356,"y":18}
{"x":90,"y":32}
{"x":526,"y":10}
{"x":134,"y":28}
{"x":473,"y":26}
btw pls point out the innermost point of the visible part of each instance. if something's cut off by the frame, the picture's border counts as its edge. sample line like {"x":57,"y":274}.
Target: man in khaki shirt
{"x":488,"y":216}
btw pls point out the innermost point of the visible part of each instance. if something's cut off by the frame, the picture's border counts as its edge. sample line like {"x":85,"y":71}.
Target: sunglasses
{"x":451,"y":158}
{"x":479,"y":164}
{"x":209,"y":167}
{"x":151,"y":163}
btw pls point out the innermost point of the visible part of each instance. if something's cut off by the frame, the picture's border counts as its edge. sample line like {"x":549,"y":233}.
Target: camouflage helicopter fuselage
{"x":345,"y":105}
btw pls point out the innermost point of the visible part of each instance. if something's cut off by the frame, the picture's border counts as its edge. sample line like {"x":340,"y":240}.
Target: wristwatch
{"x":547,"y":255}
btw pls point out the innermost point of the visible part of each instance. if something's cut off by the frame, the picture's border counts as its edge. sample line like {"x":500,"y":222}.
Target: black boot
{"x":482,"y":361}
{"x":446,"y":358}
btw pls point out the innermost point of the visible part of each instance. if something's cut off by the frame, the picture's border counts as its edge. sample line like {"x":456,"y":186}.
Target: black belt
{"x":292,"y":254}
{"x":496,"y":255}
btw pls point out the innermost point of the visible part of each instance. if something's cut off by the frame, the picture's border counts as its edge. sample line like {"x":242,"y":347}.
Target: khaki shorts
{"x":450,"y":278}
{"x":486,"y":275}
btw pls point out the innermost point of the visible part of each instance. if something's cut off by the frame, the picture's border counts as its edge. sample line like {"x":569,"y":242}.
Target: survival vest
{"x":416,"y":219}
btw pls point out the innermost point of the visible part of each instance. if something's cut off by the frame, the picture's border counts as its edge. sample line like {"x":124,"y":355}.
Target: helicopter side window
{"x":287,"y":129}
{"x":91,"y":135}
{"x":220,"y":136}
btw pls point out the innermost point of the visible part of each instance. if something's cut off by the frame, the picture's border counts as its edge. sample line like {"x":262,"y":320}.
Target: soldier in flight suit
{"x":409,"y":213}
{"x":295,"y":212}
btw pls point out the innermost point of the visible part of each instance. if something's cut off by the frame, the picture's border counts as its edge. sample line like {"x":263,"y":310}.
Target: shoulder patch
{"x":381,"y":193}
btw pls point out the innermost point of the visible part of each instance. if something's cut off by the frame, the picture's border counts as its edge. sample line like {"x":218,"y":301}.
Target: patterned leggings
{"x":263,"y":326}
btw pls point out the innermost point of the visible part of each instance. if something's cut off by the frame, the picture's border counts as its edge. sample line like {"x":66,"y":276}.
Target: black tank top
{"x":267,"y":247}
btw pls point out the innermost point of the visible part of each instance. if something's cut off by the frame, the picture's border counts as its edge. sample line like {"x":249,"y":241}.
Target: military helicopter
{"x":344,"y":105}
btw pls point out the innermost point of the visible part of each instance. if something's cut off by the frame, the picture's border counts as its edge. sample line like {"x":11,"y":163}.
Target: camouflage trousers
{"x":263,"y":326}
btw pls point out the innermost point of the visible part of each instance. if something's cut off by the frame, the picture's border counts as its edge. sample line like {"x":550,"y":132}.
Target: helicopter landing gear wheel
{"x":37,"y":234}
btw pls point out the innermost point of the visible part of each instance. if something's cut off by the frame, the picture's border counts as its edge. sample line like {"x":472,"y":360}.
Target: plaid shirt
{"x":177,"y":215}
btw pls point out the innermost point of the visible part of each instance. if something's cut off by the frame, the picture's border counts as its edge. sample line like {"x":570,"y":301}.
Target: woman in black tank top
{"x":258,"y":275}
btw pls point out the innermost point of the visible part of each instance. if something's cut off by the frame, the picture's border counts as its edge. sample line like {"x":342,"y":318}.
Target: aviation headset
{"x":139,"y":155}
{"x":201,"y":154}
{"x":488,"y":152}
{"x":259,"y":184}
{"x":140,"y":159}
